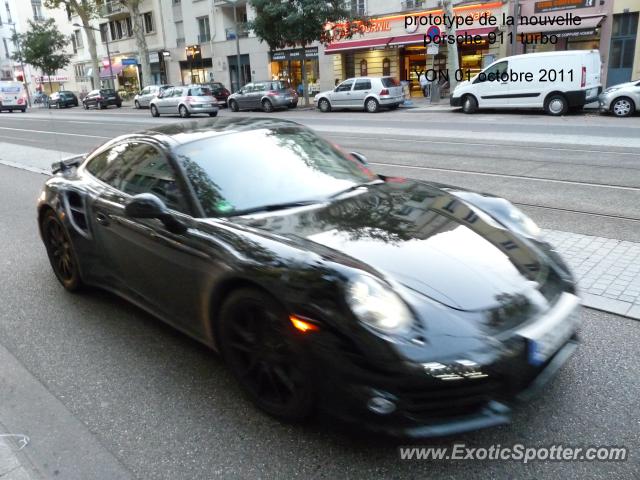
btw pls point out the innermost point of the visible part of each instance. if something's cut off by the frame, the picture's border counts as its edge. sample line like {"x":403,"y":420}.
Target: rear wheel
{"x":371,"y":105}
{"x":623,"y":107}
{"x":213,"y":114}
{"x":324,"y":105}
{"x":154,"y":111}
{"x":184,"y":113}
{"x":233,"y":105}
{"x":469,"y":104}
{"x":101,"y":106}
{"x":267,"y":106}
{"x":60,"y":252}
{"x":266,"y":355}
{"x":86,"y":107}
{"x":556,"y":105}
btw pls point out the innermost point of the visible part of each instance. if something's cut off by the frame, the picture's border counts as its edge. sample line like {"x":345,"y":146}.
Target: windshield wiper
{"x":357,"y":186}
{"x":273,"y":207}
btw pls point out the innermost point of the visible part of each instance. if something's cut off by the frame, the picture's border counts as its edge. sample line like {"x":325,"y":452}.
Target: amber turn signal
{"x":302,"y":325}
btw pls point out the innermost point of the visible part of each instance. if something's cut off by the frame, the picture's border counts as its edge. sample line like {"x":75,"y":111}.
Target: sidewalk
{"x":11,"y":468}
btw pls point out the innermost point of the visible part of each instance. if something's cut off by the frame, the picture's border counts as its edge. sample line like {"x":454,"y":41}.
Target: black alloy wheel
{"x":265,"y":354}
{"x":60,"y":252}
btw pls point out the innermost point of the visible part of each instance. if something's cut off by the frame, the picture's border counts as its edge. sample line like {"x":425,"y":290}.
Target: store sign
{"x":294,"y":54}
{"x":552,"y":5}
{"x":576,"y":33}
{"x":129,"y":61}
{"x":154,"y":57}
{"x":53,"y":78}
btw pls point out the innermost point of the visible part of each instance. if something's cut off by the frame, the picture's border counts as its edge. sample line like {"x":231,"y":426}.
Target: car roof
{"x":186,"y":132}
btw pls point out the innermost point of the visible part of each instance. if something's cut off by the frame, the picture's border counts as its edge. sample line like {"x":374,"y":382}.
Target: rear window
{"x":390,"y":82}
{"x":107,"y":91}
{"x":200,"y":92}
{"x":278,"y":85}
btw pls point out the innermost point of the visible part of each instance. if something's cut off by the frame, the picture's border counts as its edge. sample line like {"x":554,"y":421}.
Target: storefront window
{"x":386,"y":67}
{"x":291,"y":71}
{"x":363,"y":68}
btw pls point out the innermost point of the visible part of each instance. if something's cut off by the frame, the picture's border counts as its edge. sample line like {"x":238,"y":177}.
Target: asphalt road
{"x":165,"y":407}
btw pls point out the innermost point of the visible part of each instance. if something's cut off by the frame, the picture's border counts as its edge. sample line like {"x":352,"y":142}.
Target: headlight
{"x":523,"y":224}
{"x":378,"y":306}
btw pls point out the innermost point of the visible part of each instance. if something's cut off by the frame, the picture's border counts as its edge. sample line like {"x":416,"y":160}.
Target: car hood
{"x":421,"y":236}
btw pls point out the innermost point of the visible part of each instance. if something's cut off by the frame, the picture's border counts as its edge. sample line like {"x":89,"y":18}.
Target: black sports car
{"x":412,"y":308}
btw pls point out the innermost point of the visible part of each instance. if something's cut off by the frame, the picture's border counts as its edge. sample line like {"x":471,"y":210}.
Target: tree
{"x":138,"y":31}
{"x":301,"y":22}
{"x":86,"y":10}
{"x":43,"y":47}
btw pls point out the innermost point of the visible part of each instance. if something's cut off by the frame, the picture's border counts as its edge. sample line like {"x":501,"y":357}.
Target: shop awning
{"x":357,"y":44}
{"x":116,"y":67}
{"x":587,"y":23}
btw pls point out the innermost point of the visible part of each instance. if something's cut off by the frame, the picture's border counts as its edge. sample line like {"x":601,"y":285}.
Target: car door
{"x":492,"y":87}
{"x":145,"y":97}
{"x":164,"y":103}
{"x":244,"y":95}
{"x":162,"y":270}
{"x":341,"y":96}
{"x":255,"y":98}
{"x":361,"y":90}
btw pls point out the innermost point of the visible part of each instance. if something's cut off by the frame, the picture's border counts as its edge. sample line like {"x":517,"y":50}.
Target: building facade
{"x":624,"y":57}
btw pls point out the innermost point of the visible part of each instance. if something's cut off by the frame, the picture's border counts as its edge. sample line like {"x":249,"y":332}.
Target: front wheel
{"x":136,"y":104}
{"x":154,"y":111}
{"x":86,"y":107}
{"x":101,"y":106}
{"x":184,"y":113}
{"x":556,"y":105}
{"x":469,"y":104}
{"x":266,"y":354}
{"x":233,"y":105}
{"x":324,"y":105}
{"x":60,"y":252}
{"x":371,"y":105}
{"x":213,"y":114}
{"x":623,"y":107}
{"x":267,"y":106}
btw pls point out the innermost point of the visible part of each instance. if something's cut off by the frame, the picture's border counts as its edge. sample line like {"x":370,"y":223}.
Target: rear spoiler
{"x":67,"y":163}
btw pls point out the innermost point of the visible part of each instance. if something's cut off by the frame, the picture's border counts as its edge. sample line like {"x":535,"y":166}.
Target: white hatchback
{"x":362,"y":93}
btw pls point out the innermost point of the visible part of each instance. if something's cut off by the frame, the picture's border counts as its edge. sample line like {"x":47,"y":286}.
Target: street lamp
{"x":106,"y":38}
{"x":16,"y":42}
{"x":235,"y":20}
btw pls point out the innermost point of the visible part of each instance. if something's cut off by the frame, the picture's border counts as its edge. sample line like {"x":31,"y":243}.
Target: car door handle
{"x":102,"y":219}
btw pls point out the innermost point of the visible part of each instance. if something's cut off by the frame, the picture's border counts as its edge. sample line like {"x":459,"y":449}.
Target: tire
{"x":118,"y":105}
{"x":183,"y":111}
{"x":267,"y":106}
{"x":556,"y":105}
{"x":469,"y":104}
{"x":23,"y":110}
{"x":101,"y":106}
{"x":371,"y":105}
{"x":136,"y":104}
{"x":623,"y":107}
{"x":154,"y":111}
{"x":266,"y":355}
{"x":324,"y":105}
{"x":292,"y":106}
{"x":233,"y":105}
{"x":86,"y":107}
{"x":60,"y":251}
{"x":213,"y":114}
{"x":49,"y":106}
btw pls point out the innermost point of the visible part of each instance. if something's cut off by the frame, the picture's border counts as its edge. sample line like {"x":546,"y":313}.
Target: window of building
{"x":386,"y":67}
{"x":103,"y":32}
{"x":358,"y":7}
{"x":363,"y":68}
{"x":149,"y":27}
{"x":78,"y":37}
{"x":204,"y":30}
{"x":6,"y":4}
{"x":6,"y":48}
{"x":36,"y":6}
{"x":180,"y":41}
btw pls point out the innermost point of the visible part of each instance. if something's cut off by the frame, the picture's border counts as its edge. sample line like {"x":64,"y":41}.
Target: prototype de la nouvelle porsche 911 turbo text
{"x":408,"y":307}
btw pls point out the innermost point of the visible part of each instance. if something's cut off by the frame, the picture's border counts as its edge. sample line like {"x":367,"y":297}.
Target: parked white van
{"x":554,"y":81}
{"x":12,"y":96}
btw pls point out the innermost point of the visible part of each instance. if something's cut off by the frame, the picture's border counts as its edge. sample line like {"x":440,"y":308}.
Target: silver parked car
{"x":148,"y":93}
{"x":185,"y":101}
{"x":622,"y":100}
{"x":368,"y":93}
{"x":267,"y":95}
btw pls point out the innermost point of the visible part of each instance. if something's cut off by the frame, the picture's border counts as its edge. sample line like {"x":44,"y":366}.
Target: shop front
{"x":586,"y":26}
{"x":387,"y":47}
{"x":287,"y":65}
{"x":196,"y":68}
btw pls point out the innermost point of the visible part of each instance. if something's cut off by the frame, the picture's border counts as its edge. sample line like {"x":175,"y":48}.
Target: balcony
{"x":243,"y":31}
{"x":412,"y":4}
{"x":113,"y":9}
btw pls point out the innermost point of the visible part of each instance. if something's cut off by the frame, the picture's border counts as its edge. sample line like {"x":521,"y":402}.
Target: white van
{"x":554,"y":81}
{"x":12,"y":96}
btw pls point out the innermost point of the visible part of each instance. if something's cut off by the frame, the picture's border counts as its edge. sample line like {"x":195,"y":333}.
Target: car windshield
{"x":200,"y":92}
{"x":241,"y":171}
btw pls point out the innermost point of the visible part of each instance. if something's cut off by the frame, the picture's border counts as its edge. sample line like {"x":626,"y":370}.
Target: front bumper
{"x":429,"y":406}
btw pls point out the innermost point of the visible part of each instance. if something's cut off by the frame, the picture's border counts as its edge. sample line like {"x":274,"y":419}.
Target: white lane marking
{"x":503,"y":175}
{"x":53,"y":133}
{"x":28,"y":168}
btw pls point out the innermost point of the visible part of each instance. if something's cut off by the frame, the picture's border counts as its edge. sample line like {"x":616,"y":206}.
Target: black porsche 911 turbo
{"x":408,"y":307}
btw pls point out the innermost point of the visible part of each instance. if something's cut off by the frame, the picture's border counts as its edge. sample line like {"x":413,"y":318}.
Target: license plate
{"x":546,"y":336}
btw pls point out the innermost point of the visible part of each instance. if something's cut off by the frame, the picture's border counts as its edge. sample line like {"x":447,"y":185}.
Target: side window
{"x":248,"y":88}
{"x":345,"y":86}
{"x":492,"y":74}
{"x":362,"y":85}
{"x":147,"y":170}
{"x":259,"y":87}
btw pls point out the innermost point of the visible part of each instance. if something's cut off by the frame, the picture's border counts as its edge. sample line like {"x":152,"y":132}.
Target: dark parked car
{"x":267,"y":96}
{"x":63,"y":99}
{"x":102,"y":98}
{"x":411,"y":307}
{"x":220,"y":92}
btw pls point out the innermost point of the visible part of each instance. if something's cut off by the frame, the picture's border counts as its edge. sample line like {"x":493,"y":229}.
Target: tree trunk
{"x":304,"y":82}
{"x":141,"y":41}
{"x":83,"y":13}
{"x":452,"y":48}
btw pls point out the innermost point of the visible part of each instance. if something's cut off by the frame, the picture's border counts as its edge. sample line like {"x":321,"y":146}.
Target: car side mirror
{"x":147,"y":205}
{"x":360,"y":157}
